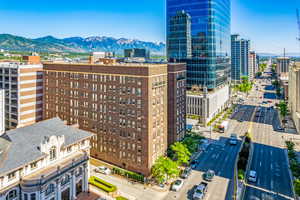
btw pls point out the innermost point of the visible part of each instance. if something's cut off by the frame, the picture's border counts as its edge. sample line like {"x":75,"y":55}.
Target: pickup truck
{"x":200,"y":191}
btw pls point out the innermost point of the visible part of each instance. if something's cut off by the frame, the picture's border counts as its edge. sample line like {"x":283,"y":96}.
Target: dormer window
{"x":52,"y":153}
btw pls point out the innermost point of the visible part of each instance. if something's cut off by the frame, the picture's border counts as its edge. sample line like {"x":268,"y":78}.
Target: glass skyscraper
{"x":209,"y":64}
{"x":240,"y":52}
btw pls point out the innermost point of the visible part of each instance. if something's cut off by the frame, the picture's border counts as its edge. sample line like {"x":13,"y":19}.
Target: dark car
{"x":209,"y":175}
{"x":194,"y":164}
{"x":186,"y":173}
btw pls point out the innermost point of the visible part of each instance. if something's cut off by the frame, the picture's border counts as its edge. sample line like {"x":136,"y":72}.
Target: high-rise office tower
{"x":253,"y":69}
{"x":239,"y":58}
{"x":23,"y":84}
{"x":209,"y":64}
{"x":179,"y":38}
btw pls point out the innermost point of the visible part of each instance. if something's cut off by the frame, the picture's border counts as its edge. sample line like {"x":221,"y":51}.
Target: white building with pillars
{"x":44,"y":161}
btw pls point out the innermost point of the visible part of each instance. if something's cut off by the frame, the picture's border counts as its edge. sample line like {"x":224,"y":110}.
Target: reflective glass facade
{"x":209,"y":64}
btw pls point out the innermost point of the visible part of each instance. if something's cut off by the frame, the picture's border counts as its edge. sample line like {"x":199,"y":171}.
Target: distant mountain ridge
{"x":76,"y":44}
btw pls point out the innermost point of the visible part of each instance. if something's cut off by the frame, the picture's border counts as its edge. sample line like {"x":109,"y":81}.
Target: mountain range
{"x":76,"y":44}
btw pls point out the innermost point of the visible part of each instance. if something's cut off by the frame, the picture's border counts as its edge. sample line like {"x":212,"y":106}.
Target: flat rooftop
{"x":147,"y":65}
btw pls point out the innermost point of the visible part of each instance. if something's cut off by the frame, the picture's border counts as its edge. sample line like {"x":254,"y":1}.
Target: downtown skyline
{"x":144,"y":20}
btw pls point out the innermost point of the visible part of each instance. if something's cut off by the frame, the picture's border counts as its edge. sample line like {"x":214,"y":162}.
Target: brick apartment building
{"x":23,"y":84}
{"x":176,"y":102}
{"x":124,"y":104}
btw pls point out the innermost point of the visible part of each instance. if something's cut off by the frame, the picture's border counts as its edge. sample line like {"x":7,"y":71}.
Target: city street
{"x":220,"y":157}
{"x":269,"y":160}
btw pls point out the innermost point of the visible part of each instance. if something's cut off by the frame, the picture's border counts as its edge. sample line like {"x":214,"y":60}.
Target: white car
{"x":252,"y":176}
{"x":103,"y":170}
{"x":177,"y":185}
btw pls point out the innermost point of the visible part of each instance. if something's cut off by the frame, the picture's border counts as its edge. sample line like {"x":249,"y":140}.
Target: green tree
{"x":258,"y":74}
{"x":191,"y":144}
{"x":297,"y":186}
{"x":164,"y":169}
{"x":181,"y":153}
{"x":262,"y":67}
{"x":283,"y":108}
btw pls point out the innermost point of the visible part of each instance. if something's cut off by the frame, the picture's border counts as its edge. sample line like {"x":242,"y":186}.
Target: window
{"x":69,"y":149}
{"x":11,"y":195}
{"x":25,"y":196}
{"x":50,"y":189}
{"x":33,"y":165}
{"x":65,"y":180}
{"x":33,"y":196}
{"x":11,"y":175}
{"x":53,"y":153}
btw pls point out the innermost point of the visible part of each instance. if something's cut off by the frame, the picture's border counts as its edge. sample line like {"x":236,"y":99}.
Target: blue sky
{"x":270,"y":24}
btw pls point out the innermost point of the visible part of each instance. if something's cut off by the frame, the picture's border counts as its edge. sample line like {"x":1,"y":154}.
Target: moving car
{"x":103,"y":170}
{"x":252,"y":176}
{"x":177,"y":185}
{"x":209,"y":175}
{"x":186,"y":173}
{"x":200,"y":191}
{"x":194,"y":164}
{"x":233,"y":139}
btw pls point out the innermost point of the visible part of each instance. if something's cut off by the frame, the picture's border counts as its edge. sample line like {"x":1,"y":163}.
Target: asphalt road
{"x":220,"y":157}
{"x":273,"y":180}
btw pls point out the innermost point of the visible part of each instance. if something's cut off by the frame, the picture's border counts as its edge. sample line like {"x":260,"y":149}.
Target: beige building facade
{"x":294,"y":93}
{"x":23,"y":85}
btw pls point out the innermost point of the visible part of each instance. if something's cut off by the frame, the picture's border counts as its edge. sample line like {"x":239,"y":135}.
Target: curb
{"x":290,"y":173}
{"x":248,"y":167}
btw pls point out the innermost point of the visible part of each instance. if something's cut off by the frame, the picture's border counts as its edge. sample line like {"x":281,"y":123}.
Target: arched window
{"x":53,"y":153}
{"x":11,"y":195}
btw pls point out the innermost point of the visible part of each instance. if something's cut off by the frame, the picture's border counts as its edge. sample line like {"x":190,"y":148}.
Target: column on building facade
{"x":73,"y":186}
{"x":58,"y":190}
{"x":85,"y":181}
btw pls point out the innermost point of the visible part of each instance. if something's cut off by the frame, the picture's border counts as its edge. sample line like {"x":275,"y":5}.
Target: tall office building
{"x":136,"y":53}
{"x":282,"y":65}
{"x":209,"y":64}
{"x":126,"y":105}
{"x":294,"y":93}
{"x":176,"y":102}
{"x":179,"y":38}
{"x":253,"y":67}
{"x":23,"y":84}
{"x":239,"y":58}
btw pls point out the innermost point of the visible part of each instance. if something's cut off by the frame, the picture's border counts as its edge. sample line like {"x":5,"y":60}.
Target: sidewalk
{"x":130,"y":190}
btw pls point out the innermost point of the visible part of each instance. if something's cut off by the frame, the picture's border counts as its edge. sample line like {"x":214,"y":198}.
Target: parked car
{"x":177,"y":185}
{"x":103,"y":170}
{"x":200,"y":191}
{"x":186,"y":173}
{"x":233,"y":139}
{"x":209,"y":175}
{"x":252,"y":176}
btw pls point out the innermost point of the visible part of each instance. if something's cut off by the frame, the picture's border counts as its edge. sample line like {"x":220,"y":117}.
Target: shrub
{"x":241,"y":174}
{"x":242,"y":163}
{"x":121,"y":198}
{"x":128,"y":174}
{"x":290,"y":145}
{"x":101,"y":184}
{"x":292,"y":155}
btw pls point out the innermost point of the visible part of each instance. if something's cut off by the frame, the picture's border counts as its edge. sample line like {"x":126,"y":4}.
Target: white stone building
{"x":44,"y":161}
{"x":207,"y":104}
